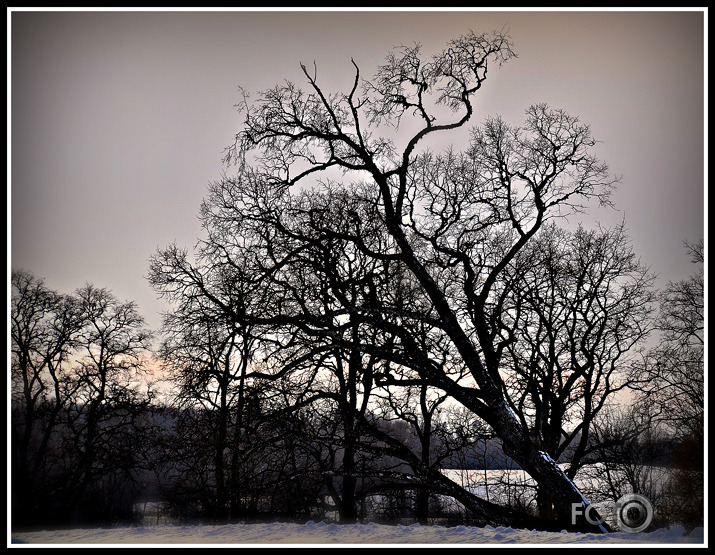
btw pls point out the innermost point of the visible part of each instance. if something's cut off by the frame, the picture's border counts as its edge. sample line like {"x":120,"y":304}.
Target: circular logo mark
{"x":634,"y":513}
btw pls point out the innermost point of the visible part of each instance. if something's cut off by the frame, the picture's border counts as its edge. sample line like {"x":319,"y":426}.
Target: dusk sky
{"x":119,"y":119}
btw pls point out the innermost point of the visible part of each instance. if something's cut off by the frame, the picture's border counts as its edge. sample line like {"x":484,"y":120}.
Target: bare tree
{"x":574,"y":309}
{"x":109,"y":398}
{"x":443,"y":214}
{"x":671,"y":385}
{"x":78,"y":407}
{"x":43,"y":327}
{"x":672,"y":379}
{"x":212,"y":361}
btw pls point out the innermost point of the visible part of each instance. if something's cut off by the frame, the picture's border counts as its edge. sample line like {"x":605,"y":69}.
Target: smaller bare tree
{"x":671,"y":383}
{"x":78,"y":407}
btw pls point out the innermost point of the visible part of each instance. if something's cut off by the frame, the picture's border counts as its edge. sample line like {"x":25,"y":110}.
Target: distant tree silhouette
{"x":672,"y":387}
{"x":78,"y":407}
{"x":43,"y":327}
{"x":672,"y":374}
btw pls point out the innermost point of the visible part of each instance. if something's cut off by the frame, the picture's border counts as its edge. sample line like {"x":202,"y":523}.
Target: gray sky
{"x":119,"y":119}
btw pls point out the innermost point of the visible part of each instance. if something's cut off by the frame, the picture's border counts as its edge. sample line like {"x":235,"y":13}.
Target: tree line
{"x":359,"y":315}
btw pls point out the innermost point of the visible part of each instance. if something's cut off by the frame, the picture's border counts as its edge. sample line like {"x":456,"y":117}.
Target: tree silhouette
{"x":452,"y":223}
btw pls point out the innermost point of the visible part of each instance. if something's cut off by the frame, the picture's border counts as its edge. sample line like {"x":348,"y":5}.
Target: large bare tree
{"x":455,"y":220}
{"x":317,"y":168}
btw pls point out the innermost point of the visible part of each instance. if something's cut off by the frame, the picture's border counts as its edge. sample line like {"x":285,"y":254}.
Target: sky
{"x":118,"y":120}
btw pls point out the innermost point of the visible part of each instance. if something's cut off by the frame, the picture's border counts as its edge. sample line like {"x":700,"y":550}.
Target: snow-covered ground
{"x":322,"y":533}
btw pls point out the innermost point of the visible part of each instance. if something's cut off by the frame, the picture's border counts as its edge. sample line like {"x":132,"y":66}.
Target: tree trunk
{"x":221,"y":509}
{"x":348,"y":513}
{"x":569,"y":504}
{"x":422,"y":501}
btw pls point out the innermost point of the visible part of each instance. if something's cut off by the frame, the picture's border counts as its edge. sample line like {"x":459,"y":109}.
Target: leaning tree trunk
{"x":491,"y":406}
{"x":551,"y":480}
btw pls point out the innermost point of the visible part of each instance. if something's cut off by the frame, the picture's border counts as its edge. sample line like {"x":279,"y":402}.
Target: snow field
{"x":354,"y":534}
